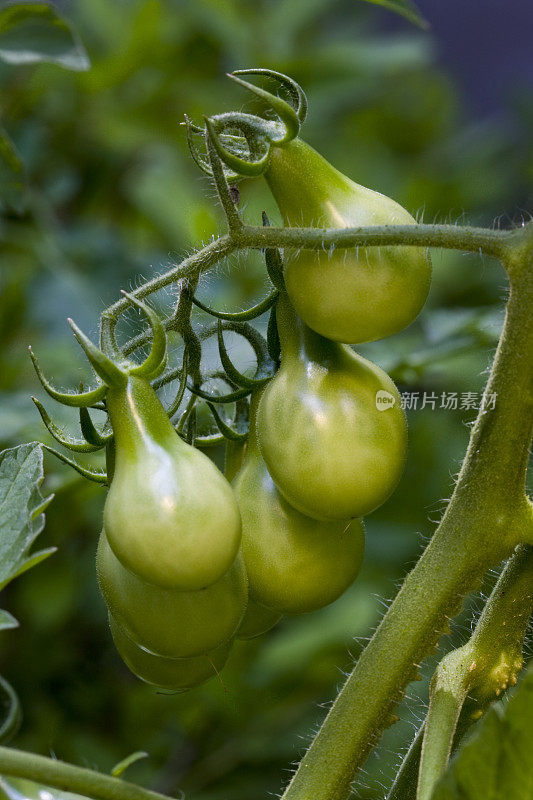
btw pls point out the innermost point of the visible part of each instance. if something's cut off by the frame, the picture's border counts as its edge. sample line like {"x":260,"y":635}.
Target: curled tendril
{"x":239,"y":165}
{"x":240,"y":316}
{"x":155,"y":360}
{"x":260,"y":134}
{"x":297,"y":94}
{"x":287,"y":113}
{"x":72,"y":399}
{"x":70,"y":442}
{"x":239,"y":145}
{"x":92,"y":475}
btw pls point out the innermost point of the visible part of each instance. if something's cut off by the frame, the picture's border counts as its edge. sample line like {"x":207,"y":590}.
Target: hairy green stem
{"x":68,"y":778}
{"x":470,"y":239}
{"x":406,"y":780}
{"x":476,"y":240}
{"x":194,"y":265}
{"x":224,"y":194}
{"x":486,"y":518}
{"x":485,"y":666}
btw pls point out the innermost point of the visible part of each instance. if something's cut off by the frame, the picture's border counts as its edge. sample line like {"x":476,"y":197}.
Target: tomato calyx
{"x":243,"y":141}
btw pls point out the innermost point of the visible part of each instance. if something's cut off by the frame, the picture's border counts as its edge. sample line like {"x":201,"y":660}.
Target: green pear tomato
{"x":330,"y":425}
{"x":295,"y":564}
{"x":170,"y":515}
{"x":354,"y":295}
{"x":178,"y":674}
{"x":257,"y":620}
{"x":168,"y":622}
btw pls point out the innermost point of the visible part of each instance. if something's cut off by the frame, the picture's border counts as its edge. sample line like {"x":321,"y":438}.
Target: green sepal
{"x":273,"y":342}
{"x":157,"y":354}
{"x":209,"y":440}
{"x":180,"y":426}
{"x":232,"y":371}
{"x":108,"y":371}
{"x":173,"y":407}
{"x":226,"y":430}
{"x":190,"y":430}
{"x":286,"y":112}
{"x":240,"y":316}
{"x":97,"y":477}
{"x":256,"y":342}
{"x":90,"y":431}
{"x":222,"y":398}
{"x":273,"y":261}
{"x":68,"y":398}
{"x":108,"y":342}
{"x":195,"y":154}
{"x":298,"y":96}
{"x":76,"y":445}
{"x":234,"y":162}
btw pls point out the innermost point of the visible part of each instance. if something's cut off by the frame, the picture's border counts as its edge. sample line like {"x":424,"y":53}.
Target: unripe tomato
{"x":257,"y":620}
{"x":295,"y":564}
{"x":166,"y":621}
{"x":178,"y":674}
{"x":170,"y":515}
{"x":348,"y":295}
{"x":330,"y":425}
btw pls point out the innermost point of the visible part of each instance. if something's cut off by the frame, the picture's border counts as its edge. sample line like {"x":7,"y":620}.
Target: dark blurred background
{"x":439,"y":120}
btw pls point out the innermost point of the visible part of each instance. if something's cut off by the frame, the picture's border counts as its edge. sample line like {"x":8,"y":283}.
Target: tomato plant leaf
{"x":7,"y":620}
{"x":405,"y":8}
{"x":495,"y":761}
{"x":21,"y":509}
{"x":12,"y":175}
{"x":34,"y":32}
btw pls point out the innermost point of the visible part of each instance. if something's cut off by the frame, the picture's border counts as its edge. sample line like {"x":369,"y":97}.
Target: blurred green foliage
{"x":113,"y":195}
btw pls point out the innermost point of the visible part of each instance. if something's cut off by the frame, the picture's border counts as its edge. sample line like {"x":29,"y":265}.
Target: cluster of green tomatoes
{"x":188,"y":561}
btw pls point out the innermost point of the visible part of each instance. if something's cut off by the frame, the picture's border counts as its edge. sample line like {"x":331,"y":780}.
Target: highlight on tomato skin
{"x":176,"y":674}
{"x":168,"y":622}
{"x":170,"y":515}
{"x":295,"y":564}
{"x":332,"y":449}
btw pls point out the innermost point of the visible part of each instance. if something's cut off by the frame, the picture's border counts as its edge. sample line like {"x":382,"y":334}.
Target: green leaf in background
{"x":405,"y":8}
{"x":7,"y":621}
{"x":11,"y":711}
{"x":495,"y":762}
{"x":34,"y":32}
{"x":21,"y":509}
{"x":12,"y":182}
